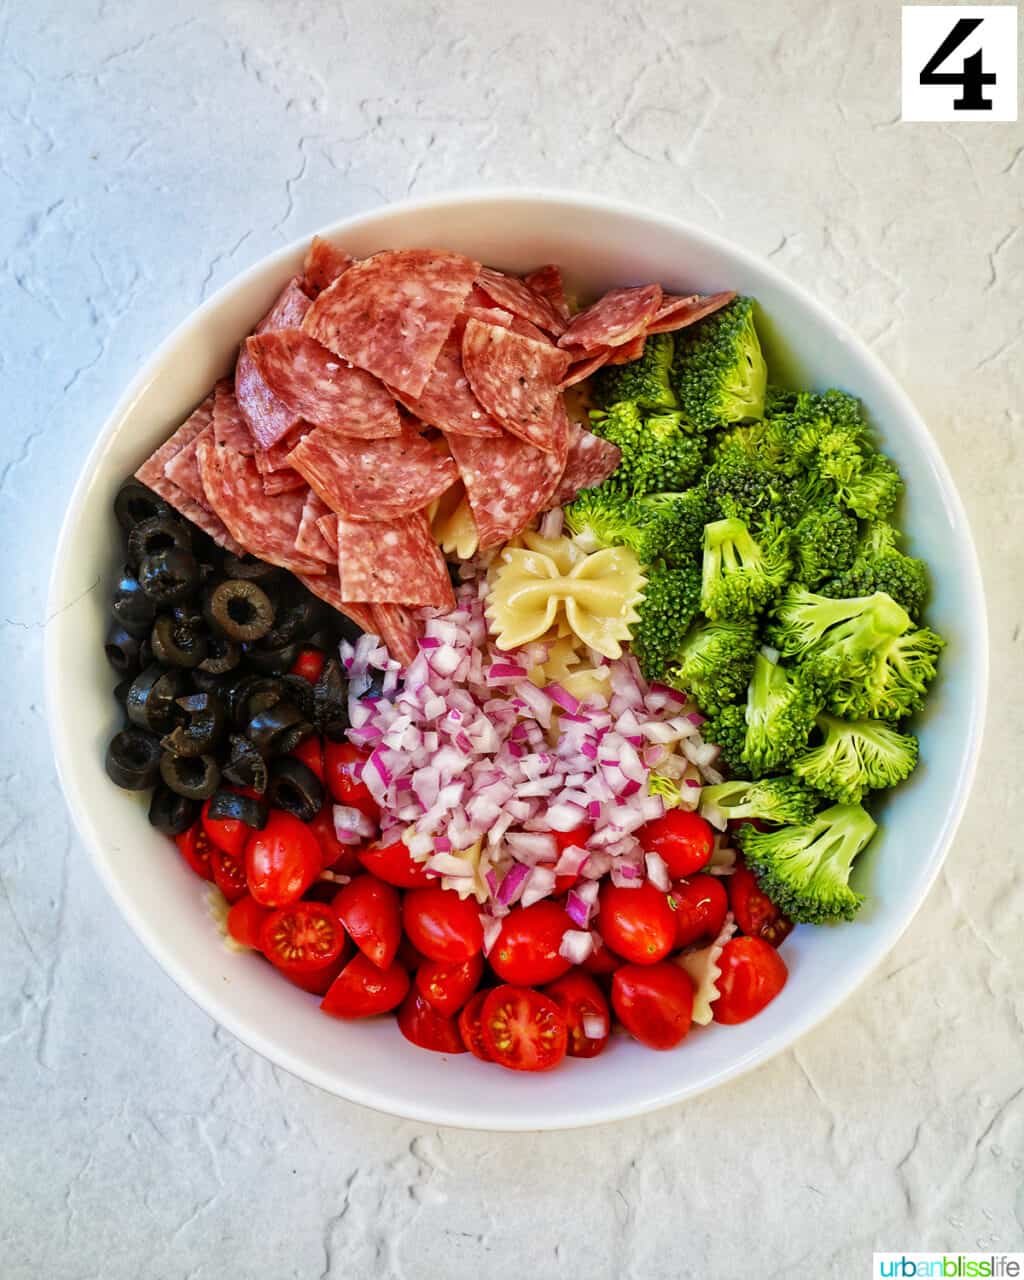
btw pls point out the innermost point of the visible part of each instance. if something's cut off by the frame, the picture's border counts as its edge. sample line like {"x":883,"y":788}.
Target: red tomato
{"x":369,"y":910}
{"x":194,"y":846}
{"x":308,"y":664}
{"x":602,"y":960}
{"x":442,"y":925}
{"x":701,"y":905}
{"x":394,"y":864}
{"x":580,"y":998}
{"x":362,"y":990}
{"x":654,"y":1002}
{"x":523,"y":1029}
{"x":471,"y":1029}
{"x":343,"y":770}
{"x":245,"y":920}
{"x":229,"y":874}
{"x":755,"y":912}
{"x":229,"y":834}
{"x":565,"y":840}
{"x":282,"y":860}
{"x":335,"y":856}
{"x":447,"y":987}
{"x":639,"y":923}
{"x":683,"y":839}
{"x":424,"y":1026}
{"x":311,"y":752}
{"x":526,"y":949}
{"x":409,"y":956}
{"x":303,"y":939}
{"x":319,"y":982}
{"x":753,"y":974}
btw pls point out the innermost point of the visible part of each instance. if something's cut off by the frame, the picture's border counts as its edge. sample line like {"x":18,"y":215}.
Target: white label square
{"x":959,"y":62}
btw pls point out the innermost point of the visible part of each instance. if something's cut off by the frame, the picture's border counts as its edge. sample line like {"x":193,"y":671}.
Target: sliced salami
{"x":513,"y":294}
{"x":448,"y":401}
{"x":373,"y":479}
{"x":585,"y":367}
{"x":390,"y":314}
{"x":328,"y":526}
{"x":677,"y":312}
{"x":590,"y":462}
{"x":324,"y":263}
{"x":328,"y":587}
{"x":289,"y":309}
{"x":180,"y":467}
{"x":393,"y":562}
{"x":515,"y":379}
{"x":229,"y":426}
{"x":614,"y":319}
{"x":265,"y":527}
{"x":400,"y":630}
{"x":546,"y":282}
{"x":267,"y":418}
{"x":285,"y":480}
{"x":309,"y":541}
{"x":315,"y":385}
{"x":631,"y":350}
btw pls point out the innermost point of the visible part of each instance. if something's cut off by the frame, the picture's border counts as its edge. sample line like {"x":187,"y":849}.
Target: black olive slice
{"x":158,"y":533}
{"x":123,"y":650}
{"x":205,"y":727}
{"x":135,"y":503}
{"x":247,"y":809}
{"x":176,"y":644}
{"x":272,"y":662}
{"x":330,"y":701}
{"x":248,"y":567}
{"x":131,"y":606}
{"x":122,"y":690}
{"x":133,"y":759}
{"x":278,"y":729}
{"x":245,"y":766}
{"x":193,"y":776}
{"x":171,"y":813}
{"x":241,"y":610}
{"x":169,"y":576}
{"x":152,"y":700}
{"x":295,"y":788}
{"x":298,"y":690}
{"x":298,"y":615}
{"x":256,"y":693}
{"x":222,"y":655}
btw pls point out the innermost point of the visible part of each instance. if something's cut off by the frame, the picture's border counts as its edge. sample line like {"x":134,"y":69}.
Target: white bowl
{"x":599,"y":244}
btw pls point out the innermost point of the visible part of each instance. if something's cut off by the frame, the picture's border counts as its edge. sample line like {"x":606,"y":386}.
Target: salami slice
{"x":448,"y":401}
{"x":289,"y":309}
{"x":328,"y":526}
{"x":677,"y":312}
{"x":324,"y":263}
{"x":515,"y":379}
{"x":393,"y":562}
{"x":585,"y":367}
{"x":328,"y":587}
{"x":309,"y":541}
{"x":315,"y":385}
{"x":283,"y":481}
{"x":513,"y":294}
{"x":590,"y":462}
{"x":614,"y":319}
{"x":265,"y":527}
{"x":229,"y":426}
{"x":400,"y":630}
{"x":546,"y":282}
{"x":373,"y":479}
{"x":631,"y":350}
{"x":267,"y":418}
{"x":180,"y":467}
{"x":391,"y":313}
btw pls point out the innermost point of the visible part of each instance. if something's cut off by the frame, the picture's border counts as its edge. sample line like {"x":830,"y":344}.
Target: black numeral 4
{"x":971,"y":76}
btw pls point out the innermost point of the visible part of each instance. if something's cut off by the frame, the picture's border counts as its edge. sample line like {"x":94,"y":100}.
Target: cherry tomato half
{"x":228,"y":834}
{"x":523,"y":1029}
{"x":755,"y":912}
{"x":654,"y":1002}
{"x":701,"y":906}
{"x":394,"y":864}
{"x":303,"y":939}
{"x":311,"y":752}
{"x":753,"y":974}
{"x":362,"y":990}
{"x":245,"y":921}
{"x":229,"y":874}
{"x":194,"y":846}
{"x":446,"y":987}
{"x":282,"y":860}
{"x":424,"y":1026}
{"x":343,"y":773}
{"x":369,"y":910}
{"x":471,"y":1029}
{"x":565,"y":840}
{"x":683,"y":839}
{"x":442,"y":925}
{"x":308,"y":663}
{"x":335,"y":856}
{"x":602,"y":960}
{"x":526,"y":950}
{"x":583,"y":1006}
{"x":639,"y":924}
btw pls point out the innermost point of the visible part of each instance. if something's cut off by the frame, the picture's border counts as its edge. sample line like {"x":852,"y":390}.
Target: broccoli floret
{"x":747,"y":487}
{"x":644,"y":382}
{"x":657,"y":452}
{"x":856,"y":756}
{"x":824,"y":545}
{"x":606,"y":517}
{"x":871,"y":489}
{"x":772,"y":800}
{"x":851,"y":629}
{"x":781,"y":710}
{"x":805,"y":869}
{"x":741,"y":577}
{"x":728,"y":731}
{"x":821,"y":428}
{"x":669,"y":605}
{"x":676,"y":523}
{"x":714,"y":664}
{"x":778,"y":400}
{"x":668,"y":788}
{"x":896,"y":680}
{"x":880,"y":566}
{"x":719,"y":372}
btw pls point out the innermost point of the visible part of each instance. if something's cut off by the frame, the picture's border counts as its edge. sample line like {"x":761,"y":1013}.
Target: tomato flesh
{"x":394,"y":864}
{"x":362,"y":990}
{"x":369,"y":910}
{"x":441,"y":925}
{"x":334,"y":856}
{"x":194,"y":846}
{"x":446,"y":987}
{"x":343,"y":773}
{"x":311,"y":752}
{"x":229,"y":874}
{"x":701,"y":905}
{"x":424,"y":1026}
{"x":683,"y":839}
{"x":226,"y":834}
{"x":639,"y":924}
{"x":303,"y":938}
{"x":583,"y":1005}
{"x":282,"y":860}
{"x":755,"y":912}
{"x":471,"y":1028}
{"x":309,"y":663}
{"x":654,"y":1003}
{"x":753,"y":974}
{"x":245,"y":921}
{"x":523,"y":1029}
{"x":526,"y":950}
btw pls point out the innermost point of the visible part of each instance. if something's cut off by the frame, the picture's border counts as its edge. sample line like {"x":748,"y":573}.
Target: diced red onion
{"x":539,"y":885}
{"x":576,"y":945}
{"x":512,"y":884}
{"x":657,"y":871}
{"x":351,"y":825}
{"x":595,"y":1026}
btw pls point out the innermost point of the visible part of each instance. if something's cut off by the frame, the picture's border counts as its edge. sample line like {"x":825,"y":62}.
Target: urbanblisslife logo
{"x":957,"y":1266}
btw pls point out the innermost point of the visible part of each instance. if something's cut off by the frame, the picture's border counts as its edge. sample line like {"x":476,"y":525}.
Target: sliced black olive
{"x":131,"y":606}
{"x":222,"y":655}
{"x":323,"y":638}
{"x":256,"y":693}
{"x":133,"y":759}
{"x":204,"y":729}
{"x":278,"y":729}
{"x":271,"y":662}
{"x":152,"y":700}
{"x":210,"y":682}
{"x":194,"y":776}
{"x":298,"y":615}
{"x":248,"y":567}
{"x":158,"y":533}
{"x":299,"y":691}
{"x":123,"y":650}
{"x":171,"y":813}
{"x":330,"y":701}
{"x":295,"y":788}
{"x":122,"y":690}
{"x":245,"y":766}
{"x":247,"y":809}
{"x":135,"y":503}
{"x":177,"y":644}
{"x":346,"y":629}
{"x":169,"y":576}
{"x":240,"y":610}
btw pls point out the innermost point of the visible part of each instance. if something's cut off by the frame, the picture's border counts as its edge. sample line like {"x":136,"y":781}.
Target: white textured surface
{"x":149,"y":151}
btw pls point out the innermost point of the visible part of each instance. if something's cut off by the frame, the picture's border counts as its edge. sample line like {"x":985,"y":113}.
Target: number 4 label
{"x":959,"y":62}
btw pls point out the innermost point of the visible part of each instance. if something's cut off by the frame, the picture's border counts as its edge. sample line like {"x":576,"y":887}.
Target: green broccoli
{"x":856,"y":756}
{"x":727,"y":729}
{"x":751,"y":488}
{"x":778,"y":400}
{"x":872,"y":490}
{"x":606,"y":517}
{"x":669,"y":789}
{"x":880,"y":566}
{"x":896,"y":680}
{"x":657,"y":452}
{"x":805,"y":869}
{"x":771,"y":800}
{"x":824,"y":545}
{"x":780,"y":714}
{"x":676,"y":524}
{"x":714,"y":664}
{"x":807,"y":624}
{"x":818,"y":429}
{"x":669,"y":605}
{"x":741,"y":577}
{"x":644,"y":382}
{"x":719,"y":372}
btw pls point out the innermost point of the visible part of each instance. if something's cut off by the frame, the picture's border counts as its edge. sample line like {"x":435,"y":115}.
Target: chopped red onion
{"x":576,"y":945}
{"x":512,"y":884}
{"x":540,"y":885}
{"x":595,"y":1026}
{"x":351,"y":825}
{"x":657,"y":871}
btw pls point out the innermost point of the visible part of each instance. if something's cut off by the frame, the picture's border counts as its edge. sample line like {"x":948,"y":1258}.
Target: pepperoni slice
{"x":678,"y":312}
{"x":373,"y":479}
{"x":229,"y":426}
{"x":400,"y":630}
{"x":284,"y":480}
{"x":182,"y":469}
{"x":585,"y":367}
{"x":390,"y":314}
{"x":267,"y":418}
{"x":546,"y":282}
{"x":324,"y":263}
{"x":327,"y":586}
{"x":448,"y":401}
{"x":631,"y":350}
{"x":393,"y":562}
{"x":315,"y":385}
{"x":515,"y":379}
{"x":590,"y":462}
{"x":614,"y":319}
{"x":289,"y":309}
{"x":309,"y":541}
{"x":265,"y":527}
{"x":513,"y":294}
{"x":328,"y":526}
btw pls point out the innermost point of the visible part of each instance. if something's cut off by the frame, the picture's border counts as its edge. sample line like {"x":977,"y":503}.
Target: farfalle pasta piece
{"x":704,"y":970}
{"x":452,"y":523}
{"x":532,"y":590}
